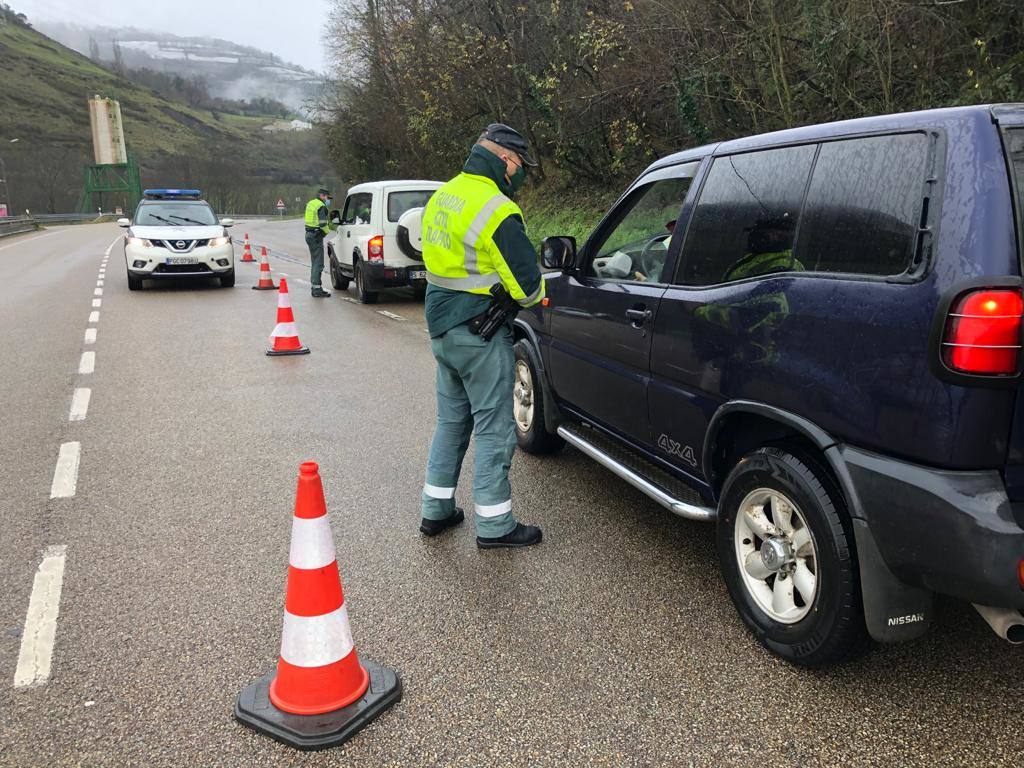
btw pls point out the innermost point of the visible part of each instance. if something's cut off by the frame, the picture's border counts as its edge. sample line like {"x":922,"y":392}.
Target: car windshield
{"x":400,"y":202}
{"x":170,"y":213}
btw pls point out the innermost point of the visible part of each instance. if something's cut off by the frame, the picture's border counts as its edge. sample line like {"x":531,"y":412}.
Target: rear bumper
{"x":379,"y":276}
{"x":954,"y":533}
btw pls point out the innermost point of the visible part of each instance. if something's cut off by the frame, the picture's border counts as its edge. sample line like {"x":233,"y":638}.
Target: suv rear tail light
{"x":983,"y":332}
{"x":376,"y":249}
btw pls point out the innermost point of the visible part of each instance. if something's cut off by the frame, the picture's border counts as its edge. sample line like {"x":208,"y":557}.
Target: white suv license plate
{"x":417,"y":274}
{"x":182,"y":260}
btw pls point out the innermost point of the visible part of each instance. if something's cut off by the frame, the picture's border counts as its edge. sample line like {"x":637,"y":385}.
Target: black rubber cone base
{"x":280,"y":352}
{"x":265,"y":288}
{"x":254,"y":709}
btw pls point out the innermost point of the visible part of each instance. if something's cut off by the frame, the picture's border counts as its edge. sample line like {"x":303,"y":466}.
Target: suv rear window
{"x":746,"y":219}
{"x":400,"y":202}
{"x":358,"y":208}
{"x":1015,"y":149}
{"x":864,"y":205}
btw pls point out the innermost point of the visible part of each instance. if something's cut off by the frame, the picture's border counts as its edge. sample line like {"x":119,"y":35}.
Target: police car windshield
{"x":178,"y":213}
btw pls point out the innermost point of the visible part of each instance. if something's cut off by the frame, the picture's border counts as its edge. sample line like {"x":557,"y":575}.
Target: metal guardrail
{"x":13,"y":225}
{"x":45,"y":217}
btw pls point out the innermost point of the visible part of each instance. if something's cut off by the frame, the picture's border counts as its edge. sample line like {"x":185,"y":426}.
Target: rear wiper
{"x":190,"y":221}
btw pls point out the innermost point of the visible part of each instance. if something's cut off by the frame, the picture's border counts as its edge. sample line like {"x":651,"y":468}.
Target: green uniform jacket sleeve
{"x":321,"y":215}
{"x":517,"y":251}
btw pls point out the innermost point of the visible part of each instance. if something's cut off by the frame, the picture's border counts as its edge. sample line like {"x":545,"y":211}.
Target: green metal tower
{"x":110,"y":186}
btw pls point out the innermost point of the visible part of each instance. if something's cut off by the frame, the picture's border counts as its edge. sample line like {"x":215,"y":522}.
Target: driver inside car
{"x":652,"y":258}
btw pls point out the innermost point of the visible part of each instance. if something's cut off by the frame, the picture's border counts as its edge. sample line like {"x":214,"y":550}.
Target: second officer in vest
{"x":474,"y":238}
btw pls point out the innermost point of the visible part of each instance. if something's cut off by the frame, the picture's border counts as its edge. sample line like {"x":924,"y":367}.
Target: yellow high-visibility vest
{"x":459,"y":253}
{"x":312,"y":214}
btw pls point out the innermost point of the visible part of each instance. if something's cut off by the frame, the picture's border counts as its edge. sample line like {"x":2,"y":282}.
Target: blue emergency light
{"x":172,"y":194}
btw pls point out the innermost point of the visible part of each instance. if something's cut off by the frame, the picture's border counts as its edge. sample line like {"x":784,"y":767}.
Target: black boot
{"x":520,"y":536}
{"x":434,"y":527}
{"x":319,"y":293}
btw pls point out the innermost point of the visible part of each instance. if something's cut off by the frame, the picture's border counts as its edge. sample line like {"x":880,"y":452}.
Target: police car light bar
{"x":171,"y":194}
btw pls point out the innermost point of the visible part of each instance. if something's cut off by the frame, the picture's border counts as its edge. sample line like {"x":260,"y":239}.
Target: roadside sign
{"x":280,"y":204}
{"x":118,"y":211}
{"x":3,"y":209}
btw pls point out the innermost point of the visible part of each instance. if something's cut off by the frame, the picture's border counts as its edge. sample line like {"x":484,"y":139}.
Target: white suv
{"x":175,"y":234}
{"x":369,"y":247}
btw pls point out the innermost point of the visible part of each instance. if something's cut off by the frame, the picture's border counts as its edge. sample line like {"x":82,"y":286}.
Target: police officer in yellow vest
{"x":317,"y":227}
{"x":474,"y":237}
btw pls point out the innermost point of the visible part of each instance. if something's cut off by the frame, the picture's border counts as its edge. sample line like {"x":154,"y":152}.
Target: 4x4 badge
{"x":675,"y":448}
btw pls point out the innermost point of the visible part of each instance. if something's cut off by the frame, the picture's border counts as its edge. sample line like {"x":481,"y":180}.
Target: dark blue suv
{"x":812,"y":337}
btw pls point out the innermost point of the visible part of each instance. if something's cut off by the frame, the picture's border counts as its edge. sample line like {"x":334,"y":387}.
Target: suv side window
{"x":745,"y":221}
{"x":864,"y":205}
{"x":358,"y":208}
{"x":636,"y":247}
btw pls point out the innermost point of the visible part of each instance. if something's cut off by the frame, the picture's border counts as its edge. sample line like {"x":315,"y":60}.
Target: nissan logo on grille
{"x":180,"y":244}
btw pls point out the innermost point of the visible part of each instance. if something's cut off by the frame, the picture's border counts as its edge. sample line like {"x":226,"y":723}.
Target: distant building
{"x":288,"y":125}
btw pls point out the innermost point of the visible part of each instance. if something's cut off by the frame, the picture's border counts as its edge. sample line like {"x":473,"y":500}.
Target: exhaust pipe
{"x":1008,"y":623}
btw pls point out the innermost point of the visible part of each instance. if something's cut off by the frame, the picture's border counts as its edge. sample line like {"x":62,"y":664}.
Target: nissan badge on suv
{"x":813,"y":338}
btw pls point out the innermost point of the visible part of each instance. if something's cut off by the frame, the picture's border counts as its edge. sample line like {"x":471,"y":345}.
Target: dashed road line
{"x":99,"y":283}
{"x":80,"y":404}
{"x":392,"y":315}
{"x":36,"y":654}
{"x":88,"y":362}
{"x":349,"y":299}
{"x":97,"y":302}
{"x":90,"y":335}
{"x":110,"y":247}
{"x":94,"y":316}
{"x":98,"y":292}
{"x":65,"y":474}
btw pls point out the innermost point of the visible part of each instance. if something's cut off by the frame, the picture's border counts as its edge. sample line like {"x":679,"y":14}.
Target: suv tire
{"x":364,"y":296}
{"x":134,"y":283}
{"x":780,"y":506}
{"x":227,"y":280}
{"x":339,"y":281}
{"x":528,"y":404}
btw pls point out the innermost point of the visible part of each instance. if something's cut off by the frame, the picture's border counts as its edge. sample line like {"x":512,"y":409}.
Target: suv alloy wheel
{"x":528,"y":404}
{"x":785,"y":544}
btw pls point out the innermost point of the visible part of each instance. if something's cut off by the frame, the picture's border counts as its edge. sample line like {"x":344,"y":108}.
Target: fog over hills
{"x":231,"y":70}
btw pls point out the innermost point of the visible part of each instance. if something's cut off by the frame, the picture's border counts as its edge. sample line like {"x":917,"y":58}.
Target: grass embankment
{"x":551,"y":212}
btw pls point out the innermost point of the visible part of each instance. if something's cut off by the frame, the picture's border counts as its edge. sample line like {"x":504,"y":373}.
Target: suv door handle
{"x":639,"y":315}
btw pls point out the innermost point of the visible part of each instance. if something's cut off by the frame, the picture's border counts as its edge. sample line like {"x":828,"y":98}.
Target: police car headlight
{"x":216,"y":241}
{"x":140,"y":242}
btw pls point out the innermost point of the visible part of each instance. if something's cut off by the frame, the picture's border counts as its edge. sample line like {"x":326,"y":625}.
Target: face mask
{"x":517,"y":180}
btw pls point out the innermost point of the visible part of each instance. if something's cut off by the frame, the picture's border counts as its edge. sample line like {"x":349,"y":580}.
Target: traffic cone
{"x":266,"y":282}
{"x":247,"y":251}
{"x":322,"y":694}
{"x":284,"y":339}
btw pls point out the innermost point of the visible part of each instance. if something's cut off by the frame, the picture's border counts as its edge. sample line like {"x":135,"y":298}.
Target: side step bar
{"x":672,"y":504}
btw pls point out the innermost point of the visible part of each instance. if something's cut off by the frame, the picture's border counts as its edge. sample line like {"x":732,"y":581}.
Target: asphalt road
{"x":612,"y":644}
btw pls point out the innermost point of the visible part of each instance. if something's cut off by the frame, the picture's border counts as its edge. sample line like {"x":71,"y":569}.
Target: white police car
{"x":176,"y":234}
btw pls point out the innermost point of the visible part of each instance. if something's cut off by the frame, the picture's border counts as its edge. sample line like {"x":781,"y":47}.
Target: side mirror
{"x":336,"y":218}
{"x":227,"y":222}
{"x":558,"y":252}
{"x":124,"y":222}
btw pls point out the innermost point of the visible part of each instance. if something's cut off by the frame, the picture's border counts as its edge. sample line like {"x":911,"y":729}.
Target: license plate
{"x":417,"y":274}
{"x":182,"y":260}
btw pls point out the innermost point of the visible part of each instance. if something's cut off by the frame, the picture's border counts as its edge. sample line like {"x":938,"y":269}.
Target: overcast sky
{"x":284,"y":27}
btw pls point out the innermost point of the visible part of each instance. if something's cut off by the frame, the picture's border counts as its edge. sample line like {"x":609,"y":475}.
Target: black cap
{"x":323,"y":191}
{"x":509,"y":138}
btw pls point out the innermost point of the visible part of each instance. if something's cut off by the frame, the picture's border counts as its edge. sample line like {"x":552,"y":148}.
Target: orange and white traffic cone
{"x":284,"y":339}
{"x":247,"y":251}
{"x":321,"y":694}
{"x":266,"y":282}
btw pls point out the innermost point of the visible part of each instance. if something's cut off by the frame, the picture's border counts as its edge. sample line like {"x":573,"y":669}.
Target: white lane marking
{"x":300,"y":280}
{"x":90,"y":335}
{"x":349,"y":299}
{"x":36,"y":653}
{"x":110,"y":247}
{"x":88,"y":362}
{"x":98,"y":292}
{"x":94,"y":316}
{"x":65,"y":474}
{"x":97,"y":302}
{"x":27,"y":240}
{"x":392,"y":315}
{"x":99,"y":283}
{"x":80,"y":404}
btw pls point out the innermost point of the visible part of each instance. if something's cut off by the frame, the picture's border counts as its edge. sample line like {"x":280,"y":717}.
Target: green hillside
{"x":44,"y":92}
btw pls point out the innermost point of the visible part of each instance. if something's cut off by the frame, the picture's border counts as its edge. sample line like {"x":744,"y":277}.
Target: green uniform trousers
{"x":474,"y":396}
{"x":316,"y":258}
